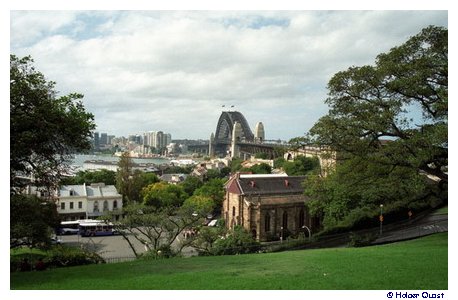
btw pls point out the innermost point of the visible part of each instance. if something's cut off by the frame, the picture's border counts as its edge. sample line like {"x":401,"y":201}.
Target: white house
{"x":88,"y":201}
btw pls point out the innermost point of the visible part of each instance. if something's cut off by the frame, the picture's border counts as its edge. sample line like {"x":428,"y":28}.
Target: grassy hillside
{"x":411,"y":265}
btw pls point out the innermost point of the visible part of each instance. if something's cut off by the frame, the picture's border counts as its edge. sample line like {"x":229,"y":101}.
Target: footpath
{"x":423,"y":225}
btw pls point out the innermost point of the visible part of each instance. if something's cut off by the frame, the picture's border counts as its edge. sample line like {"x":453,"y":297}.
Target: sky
{"x":151,"y":70}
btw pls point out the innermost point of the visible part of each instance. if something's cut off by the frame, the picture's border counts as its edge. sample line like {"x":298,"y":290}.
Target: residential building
{"x":88,"y":201}
{"x":77,"y":202}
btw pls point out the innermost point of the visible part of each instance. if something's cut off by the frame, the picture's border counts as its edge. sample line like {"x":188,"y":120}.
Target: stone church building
{"x":270,"y":206}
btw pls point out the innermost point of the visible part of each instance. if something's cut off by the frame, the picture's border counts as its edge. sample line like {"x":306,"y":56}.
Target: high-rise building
{"x":96,"y":140}
{"x":103,"y":139}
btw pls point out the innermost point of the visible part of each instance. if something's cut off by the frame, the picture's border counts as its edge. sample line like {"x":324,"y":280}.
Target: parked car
{"x":56,"y":241}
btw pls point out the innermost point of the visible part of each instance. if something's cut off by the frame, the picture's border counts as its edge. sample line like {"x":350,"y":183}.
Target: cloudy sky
{"x":173,"y":70}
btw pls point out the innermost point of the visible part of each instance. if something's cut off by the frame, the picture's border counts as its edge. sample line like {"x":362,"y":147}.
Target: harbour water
{"x":79,"y":159}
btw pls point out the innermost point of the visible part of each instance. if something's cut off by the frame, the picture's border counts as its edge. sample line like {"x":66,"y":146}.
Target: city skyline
{"x":174,"y":70}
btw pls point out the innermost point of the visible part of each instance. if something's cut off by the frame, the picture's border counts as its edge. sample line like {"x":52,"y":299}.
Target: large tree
{"x":32,"y":220}
{"x":44,"y":129}
{"x":388,"y":124}
{"x":159,"y":229}
{"x":372,"y":108}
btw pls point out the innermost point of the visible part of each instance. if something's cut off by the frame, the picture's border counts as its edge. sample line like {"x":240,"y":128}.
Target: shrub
{"x":361,"y":240}
{"x":67,"y":256}
{"x":239,"y":241}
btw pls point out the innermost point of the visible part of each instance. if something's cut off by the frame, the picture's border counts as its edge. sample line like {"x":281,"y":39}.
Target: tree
{"x":88,"y":177}
{"x":156,"y":229}
{"x":369,"y":107}
{"x":202,"y":205}
{"x":383,"y":152}
{"x":162,"y":194}
{"x":213,"y":189}
{"x":352,"y":194}
{"x":44,"y":129}
{"x":301,"y":166}
{"x":190,"y":184}
{"x":261,"y":168}
{"x":32,"y":220}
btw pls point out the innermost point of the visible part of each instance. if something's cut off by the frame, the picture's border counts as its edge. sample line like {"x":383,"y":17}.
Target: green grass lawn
{"x":411,"y":265}
{"x":441,"y":211}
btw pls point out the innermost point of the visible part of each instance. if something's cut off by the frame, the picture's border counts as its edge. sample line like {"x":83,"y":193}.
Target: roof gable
{"x":266,"y":185}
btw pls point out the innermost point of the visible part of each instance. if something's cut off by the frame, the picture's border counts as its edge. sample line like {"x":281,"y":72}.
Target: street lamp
{"x":281,"y":234}
{"x":310,"y":234}
{"x":381,"y":219}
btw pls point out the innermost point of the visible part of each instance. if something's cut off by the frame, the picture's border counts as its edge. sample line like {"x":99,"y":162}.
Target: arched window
{"x":96,"y":206}
{"x":285,"y":220}
{"x":115,"y":204}
{"x":105,"y":205}
{"x":233,"y":211}
{"x":301,"y":218}
{"x":267,"y":223}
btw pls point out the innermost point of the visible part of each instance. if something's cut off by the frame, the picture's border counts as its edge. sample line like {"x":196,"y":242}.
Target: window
{"x":285,"y":220}
{"x":301,"y":218}
{"x":267,"y":223}
{"x":72,"y":193}
{"x":62,"y":205}
{"x":80,"y":204}
{"x":96,"y":206}
{"x":105,"y":205}
{"x":115,"y":204}
{"x":71,"y":205}
{"x":233,"y":211}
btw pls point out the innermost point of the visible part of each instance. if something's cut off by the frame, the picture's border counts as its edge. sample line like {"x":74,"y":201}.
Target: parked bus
{"x":95,"y":228}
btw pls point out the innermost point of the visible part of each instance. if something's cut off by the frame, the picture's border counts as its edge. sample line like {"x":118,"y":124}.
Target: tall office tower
{"x":168,"y":139}
{"x":103,"y":139}
{"x":159,"y":140}
{"x":96,"y":140}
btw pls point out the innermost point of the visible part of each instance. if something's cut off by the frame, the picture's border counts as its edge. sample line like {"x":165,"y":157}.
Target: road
{"x":110,"y":247}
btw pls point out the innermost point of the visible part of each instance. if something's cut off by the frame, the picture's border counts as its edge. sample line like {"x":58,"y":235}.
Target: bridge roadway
{"x":245,"y":147}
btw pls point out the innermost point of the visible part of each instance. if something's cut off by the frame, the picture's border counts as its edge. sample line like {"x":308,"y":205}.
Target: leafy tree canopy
{"x":383,"y":152}
{"x":261,"y":168}
{"x":106,"y":176}
{"x":301,"y":166}
{"x":162,"y":194}
{"x":370,"y":107}
{"x":32,"y":220}
{"x":44,"y":129}
{"x":213,"y":189}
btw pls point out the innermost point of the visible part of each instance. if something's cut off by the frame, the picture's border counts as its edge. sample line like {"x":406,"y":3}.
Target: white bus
{"x":68,"y":227}
{"x":95,"y":228}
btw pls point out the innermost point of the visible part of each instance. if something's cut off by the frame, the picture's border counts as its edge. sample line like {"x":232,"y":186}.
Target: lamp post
{"x":281,"y":234}
{"x":310,"y":233}
{"x":381,"y":219}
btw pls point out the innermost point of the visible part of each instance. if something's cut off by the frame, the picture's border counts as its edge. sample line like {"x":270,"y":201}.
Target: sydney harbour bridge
{"x":234,"y":137}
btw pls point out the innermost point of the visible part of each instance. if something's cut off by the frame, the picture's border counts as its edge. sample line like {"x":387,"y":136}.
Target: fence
{"x":111,"y":260}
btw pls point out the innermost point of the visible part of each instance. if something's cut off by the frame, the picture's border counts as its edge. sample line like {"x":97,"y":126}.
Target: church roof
{"x":264,"y":185}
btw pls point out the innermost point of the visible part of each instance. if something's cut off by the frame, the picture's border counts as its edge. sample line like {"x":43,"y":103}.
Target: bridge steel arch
{"x":225,"y":126}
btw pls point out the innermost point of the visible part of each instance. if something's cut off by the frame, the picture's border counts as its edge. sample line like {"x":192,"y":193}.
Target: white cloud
{"x":172,"y":71}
